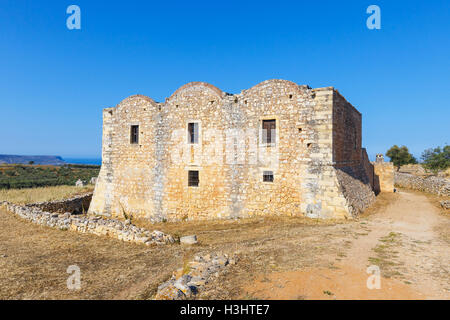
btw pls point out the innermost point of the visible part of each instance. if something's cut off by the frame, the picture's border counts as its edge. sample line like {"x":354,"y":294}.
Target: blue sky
{"x":55,"y":82}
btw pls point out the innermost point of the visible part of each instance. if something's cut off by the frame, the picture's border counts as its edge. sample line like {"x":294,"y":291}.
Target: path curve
{"x":407,"y":236}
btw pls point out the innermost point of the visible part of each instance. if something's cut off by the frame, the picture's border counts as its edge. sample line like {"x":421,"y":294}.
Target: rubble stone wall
{"x":430,"y":184}
{"x":356,"y":188}
{"x":76,"y":204}
{"x":114,"y":228}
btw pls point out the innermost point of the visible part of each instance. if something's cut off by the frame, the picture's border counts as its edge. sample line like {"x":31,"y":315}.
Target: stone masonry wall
{"x":354,"y":172}
{"x":359,"y":195}
{"x":150,"y":179}
{"x":368,"y":167}
{"x":76,"y":204}
{"x":430,"y":184}
{"x":384,"y":176}
{"x":104,"y":188}
{"x":346,"y":132}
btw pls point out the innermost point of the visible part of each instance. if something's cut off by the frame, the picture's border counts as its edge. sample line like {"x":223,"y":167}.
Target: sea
{"x":97,"y":161}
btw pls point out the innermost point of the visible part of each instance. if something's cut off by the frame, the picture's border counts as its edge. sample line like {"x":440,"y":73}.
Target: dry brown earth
{"x":405,"y":234}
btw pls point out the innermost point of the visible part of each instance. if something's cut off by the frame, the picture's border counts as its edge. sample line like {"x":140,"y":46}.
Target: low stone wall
{"x":76,"y":204}
{"x":431,"y":184}
{"x":124,"y":231}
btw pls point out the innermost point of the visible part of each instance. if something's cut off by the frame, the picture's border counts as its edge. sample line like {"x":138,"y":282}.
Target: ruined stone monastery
{"x":277,"y":148}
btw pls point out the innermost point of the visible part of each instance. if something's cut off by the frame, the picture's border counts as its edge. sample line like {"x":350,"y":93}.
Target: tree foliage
{"x":436,"y":159}
{"x":400,"y":156}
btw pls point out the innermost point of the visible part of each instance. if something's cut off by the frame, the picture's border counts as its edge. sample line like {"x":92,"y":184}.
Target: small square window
{"x":134,"y":134}
{"x":268,"y":176}
{"x":193,"y":178}
{"x":192,"y":132}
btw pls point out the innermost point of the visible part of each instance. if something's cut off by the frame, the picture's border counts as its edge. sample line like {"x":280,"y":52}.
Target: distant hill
{"x":44,"y":160}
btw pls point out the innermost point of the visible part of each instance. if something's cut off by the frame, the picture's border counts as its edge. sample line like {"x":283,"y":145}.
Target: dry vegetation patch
{"x":37,"y":257}
{"x":42,"y":194}
{"x":386,"y":255}
{"x":34,"y":261}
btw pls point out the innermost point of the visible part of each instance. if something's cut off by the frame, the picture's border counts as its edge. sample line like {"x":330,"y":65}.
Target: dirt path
{"x":421,"y":255}
{"x":406,"y":241}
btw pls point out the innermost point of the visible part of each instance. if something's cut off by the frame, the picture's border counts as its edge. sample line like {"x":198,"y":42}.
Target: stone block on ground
{"x":192,"y":239}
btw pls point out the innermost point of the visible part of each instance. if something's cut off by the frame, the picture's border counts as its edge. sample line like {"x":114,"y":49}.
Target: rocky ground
{"x":188,"y":281}
{"x":405,"y":234}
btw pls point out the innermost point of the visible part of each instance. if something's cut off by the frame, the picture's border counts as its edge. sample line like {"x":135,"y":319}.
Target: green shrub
{"x":18,"y":177}
{"x":436,"y":159}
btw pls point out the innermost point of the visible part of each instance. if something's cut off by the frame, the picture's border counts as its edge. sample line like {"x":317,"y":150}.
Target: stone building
{"x":277,"y":148}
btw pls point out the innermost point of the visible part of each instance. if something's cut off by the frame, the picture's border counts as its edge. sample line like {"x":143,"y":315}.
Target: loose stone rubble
{"x":89,"y":224}
{"x":201,"y":270}
{"x":445,"y":204}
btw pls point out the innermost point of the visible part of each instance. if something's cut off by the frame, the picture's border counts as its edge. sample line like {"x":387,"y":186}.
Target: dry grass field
{"x":37,"y":257}
{"x":277,"y":257}
{"x":41,"y":194}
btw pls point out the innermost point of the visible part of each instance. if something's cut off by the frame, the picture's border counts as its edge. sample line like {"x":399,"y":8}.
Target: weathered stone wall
{"x":76,"y":204}
{"x":150,"y":178}
{"x":368,"y":167}
{"x":212,"y":110}
{"x":320,"y":197}
{"x":354,"y":171}
{"x":430,"y":184}
{"x":346,"y":132}
{"x":384,"y":177}
{"x":104,"y":188}
{"x":359,"y":194}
